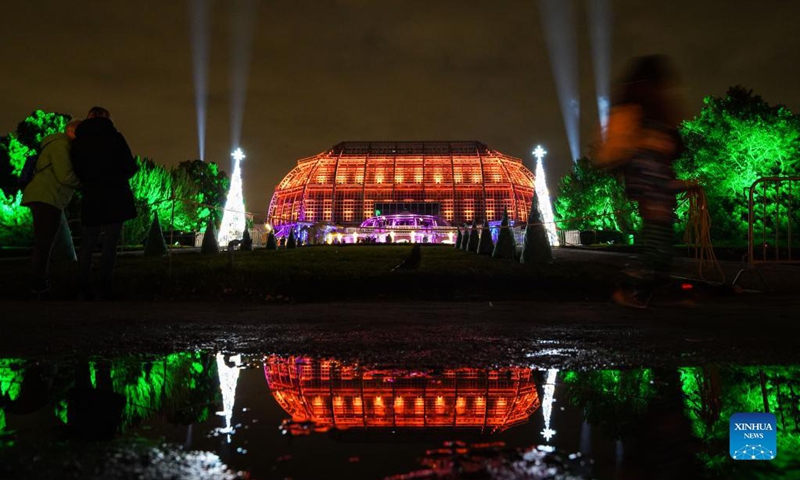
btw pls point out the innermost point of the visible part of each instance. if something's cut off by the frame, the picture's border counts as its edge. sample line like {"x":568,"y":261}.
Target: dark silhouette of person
{"x":642,"y":141}
{"x":104,"y":164}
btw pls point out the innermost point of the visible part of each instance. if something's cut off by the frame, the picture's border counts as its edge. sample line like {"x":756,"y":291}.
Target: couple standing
{"x":92,"y":156}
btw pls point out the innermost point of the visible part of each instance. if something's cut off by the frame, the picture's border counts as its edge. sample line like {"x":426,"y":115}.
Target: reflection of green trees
{"x":184,"y":386}
{"x":615,"y":400}
{"x":11,"y":374}
{"x":713,"y":395}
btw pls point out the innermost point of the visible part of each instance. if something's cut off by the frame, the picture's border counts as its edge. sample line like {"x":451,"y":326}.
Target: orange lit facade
{"x":456,"y":181}
{"x":333,"y":395}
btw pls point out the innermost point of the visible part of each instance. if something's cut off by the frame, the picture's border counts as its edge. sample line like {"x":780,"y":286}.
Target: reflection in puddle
{"x":154,"y":416}
{"x":329,"y":394}
{"x":228,"y":368}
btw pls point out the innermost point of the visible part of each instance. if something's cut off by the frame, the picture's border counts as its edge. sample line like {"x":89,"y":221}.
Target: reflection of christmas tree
{"x":547,"y":403}
{"x":233,"y":218}
{"x":228,"y":378}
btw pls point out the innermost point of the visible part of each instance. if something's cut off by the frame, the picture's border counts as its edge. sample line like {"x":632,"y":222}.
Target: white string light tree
{"x":545,"y":206}
{"x":233,"y":218}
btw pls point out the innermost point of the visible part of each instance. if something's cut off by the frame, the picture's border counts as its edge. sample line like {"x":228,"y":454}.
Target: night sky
{"x":328,"y":71}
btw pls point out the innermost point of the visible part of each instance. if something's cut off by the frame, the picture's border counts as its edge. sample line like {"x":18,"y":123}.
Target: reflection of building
{"x":456,"y":181}
{"x":333,"y":395}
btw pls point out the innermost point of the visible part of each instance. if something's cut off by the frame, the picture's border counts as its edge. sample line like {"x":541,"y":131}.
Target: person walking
{"x":642,"y":141}
{"x":47,"y":195}
{"x":104,"y":164}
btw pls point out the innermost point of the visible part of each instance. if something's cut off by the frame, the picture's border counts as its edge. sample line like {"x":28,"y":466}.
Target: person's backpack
{"x":29,"y":171}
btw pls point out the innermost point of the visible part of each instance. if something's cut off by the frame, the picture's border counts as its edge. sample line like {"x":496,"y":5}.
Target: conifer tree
{"x":156,"y":245}
{"x":465,"y":238}
{"x":506,"y":246}
{"x":536,"y":248}
{"x":459,"y":238}
{"x":210,"y":245}
{"x":63,"y":247}
{"x":292,"y":241}
{"x":272,"y":243}
{"x":472,"y":243}
{"x":485,"y":246}
{"x":247,"y":241}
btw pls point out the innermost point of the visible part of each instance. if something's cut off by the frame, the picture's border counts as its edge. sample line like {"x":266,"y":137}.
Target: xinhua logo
{"x":753,"y":436}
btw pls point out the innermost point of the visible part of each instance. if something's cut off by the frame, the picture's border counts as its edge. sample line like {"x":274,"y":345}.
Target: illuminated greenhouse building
{"x":414,"y":191}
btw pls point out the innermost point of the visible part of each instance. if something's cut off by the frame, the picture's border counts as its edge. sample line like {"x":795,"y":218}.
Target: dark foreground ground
{"x":348,"y":301}
{"x":747,"y":328}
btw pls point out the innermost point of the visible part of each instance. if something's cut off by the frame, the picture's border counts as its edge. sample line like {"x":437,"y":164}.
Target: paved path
{"x":744,"y":329}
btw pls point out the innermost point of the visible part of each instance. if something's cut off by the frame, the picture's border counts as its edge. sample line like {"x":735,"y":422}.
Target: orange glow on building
{"x":458,"y":181}
{"x":349,"y":396}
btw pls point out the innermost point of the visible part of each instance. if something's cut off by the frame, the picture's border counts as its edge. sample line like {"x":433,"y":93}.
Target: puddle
{"x":209,"y":415}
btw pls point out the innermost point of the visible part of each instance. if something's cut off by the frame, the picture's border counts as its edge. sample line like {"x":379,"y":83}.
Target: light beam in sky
{"x":243,"y":22}
{"x":600,"y":33}
{"x":559,"y":27}
{"x":199,"y":13}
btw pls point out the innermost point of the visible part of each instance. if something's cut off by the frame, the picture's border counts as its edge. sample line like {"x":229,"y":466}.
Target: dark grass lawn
{"x":329,"y":273}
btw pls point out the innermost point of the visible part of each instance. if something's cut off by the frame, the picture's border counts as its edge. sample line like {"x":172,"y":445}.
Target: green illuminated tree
{"x":16,"y":223}
{"x":184,"y":197}
{"x":210,"y":188}
{"x":17,"y":146}
{"x":735,"y":140}
{"x":593,"y":199}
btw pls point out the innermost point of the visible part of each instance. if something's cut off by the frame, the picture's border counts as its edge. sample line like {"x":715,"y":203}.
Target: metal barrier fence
{"x":775,"y":214}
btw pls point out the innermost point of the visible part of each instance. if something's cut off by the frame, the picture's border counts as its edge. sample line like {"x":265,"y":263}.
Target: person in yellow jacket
{"x":48,"y":193}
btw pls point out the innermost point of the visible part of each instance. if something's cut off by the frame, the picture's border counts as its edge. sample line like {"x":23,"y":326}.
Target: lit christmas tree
{"x":545,"y":206}
{"x":233,"y":218}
